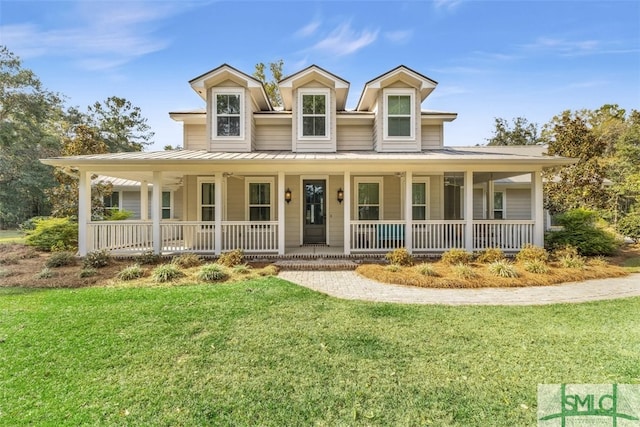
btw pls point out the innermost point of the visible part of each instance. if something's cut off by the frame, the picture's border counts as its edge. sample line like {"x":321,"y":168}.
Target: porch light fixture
{"x":287,"y":196}
{"x":340,"y":195}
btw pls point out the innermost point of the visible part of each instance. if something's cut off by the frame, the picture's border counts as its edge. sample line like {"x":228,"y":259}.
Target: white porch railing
{"x":250,"y":236}
{"x":438,"y":236}
{"x":508,"y":235}
{"x":187,"y":236}
{"x":374,"y":236}
{"x":119,"y":235}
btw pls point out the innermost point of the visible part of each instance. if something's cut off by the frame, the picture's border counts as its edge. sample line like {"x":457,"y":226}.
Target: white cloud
{"x":447,"y":4}
{"x":308,"y":29}
{"x":400,"y":36}
{"x":344,"y":40}
{"x":103,"y":37}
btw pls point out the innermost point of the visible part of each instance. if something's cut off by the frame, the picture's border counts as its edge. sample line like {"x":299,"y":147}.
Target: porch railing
{"x":250,"y":236}
{"x":374,"y":236}
{"x":119,"y":236}
{"x":508,"y":235}
{"x":438,"y":235}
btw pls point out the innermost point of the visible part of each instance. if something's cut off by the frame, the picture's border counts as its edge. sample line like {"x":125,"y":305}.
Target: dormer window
{"x":228,"y":120}
{"x":313,"y":117}
{"x":399,"y":122}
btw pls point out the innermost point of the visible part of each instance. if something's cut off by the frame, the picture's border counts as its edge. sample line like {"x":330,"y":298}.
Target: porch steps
{"x":319,"y":264}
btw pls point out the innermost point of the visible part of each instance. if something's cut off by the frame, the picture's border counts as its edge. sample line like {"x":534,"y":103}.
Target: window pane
{"x":228,"y":126}
{"x":166,"y":213}
{"x":208,"y":193}
{"x":319,"y":126}
{"x":419,"y":212}
{"x":319,"y":105}
{"x":368,"y":193}
{"x":233,"y":104}
{"x":308,"y":126}
{"x":260,"y":213}
{"x":166,"y":199}
{"x":399,"y":104}
{"x":259,"y":193}
{"x":399,"y":126}
{"x":497,"y":214}
{"x":222,"y":104}
{"x":368,"y":213}
{"x":497,"y":200}
{"x":307,"y":104}
{"x":208,"y":213}
{"x":419,"y":193}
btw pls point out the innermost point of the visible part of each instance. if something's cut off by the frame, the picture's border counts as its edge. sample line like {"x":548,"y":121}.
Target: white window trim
{"x":412,"y":120}
{"x":118,"y":207}
{"x":367,"y":180}
{"x":504,"y":203}
{"x":422,"y":180}
{"x":214,"y":112}
{"x":171,"y":193}
{"x":202,"y":180}
{"x":327,"y":122}
{"x":260,"y":180}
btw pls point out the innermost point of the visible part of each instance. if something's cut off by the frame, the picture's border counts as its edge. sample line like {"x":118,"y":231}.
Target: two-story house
{"x":314,"y":177}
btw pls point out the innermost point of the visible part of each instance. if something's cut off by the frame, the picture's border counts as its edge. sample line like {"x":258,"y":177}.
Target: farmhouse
{"x":313,"y":177}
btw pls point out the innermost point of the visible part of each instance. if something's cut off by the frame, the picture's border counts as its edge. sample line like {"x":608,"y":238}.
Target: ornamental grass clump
{"x":131,"y":272}
{"x":400,"y":257}
{"x":231,"y":258}
{"x":536,"y":266}
{"x":490,"y":255}
{"x":503,"y":268}
{"x":242,"y":269}
{"x":213,"y":272}
{"x":572,"y":262}
{"x":45,"y":273}
{"x":464,"y":271}
{"x":426,"y":270}
{"x":456,"y":256}
{"x":166,"y":273}
{"x":97,"y":259}
{"x":187,"y":260}
{"x":393,"y":268}
{"x":147,"y":258}
{"x":532,"y":253}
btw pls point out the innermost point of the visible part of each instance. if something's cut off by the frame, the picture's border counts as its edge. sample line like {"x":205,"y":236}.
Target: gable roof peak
{"x":424,"y":84}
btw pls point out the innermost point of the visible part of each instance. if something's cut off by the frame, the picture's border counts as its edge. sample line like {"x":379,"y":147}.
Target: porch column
{"x":468,"y":210}
{"x":346,"y":186}
{"x":84,"y":211}
{"x":281,"y":212}
{"x":490,"y":200}
{"x":408,"y":210}
{"x":538,"y":208}
{"x":144,"y":200}
{"x":156,"y":212}
{"x":217,"y":232}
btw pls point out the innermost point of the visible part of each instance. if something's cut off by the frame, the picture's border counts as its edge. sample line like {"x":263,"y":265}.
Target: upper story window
{"x":399,"y":120}
{"x":228,"y":120}
{"x":313,"y":119}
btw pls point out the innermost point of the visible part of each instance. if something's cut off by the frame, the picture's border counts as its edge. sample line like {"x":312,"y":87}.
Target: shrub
{"x":536,"y":266}
{"x":30,"y":224}
{"x":97,"y":259}
{"x":531,"y":252}
{"x":503,"y":268}
{"x":87,"y":272}
{"x":148,"y":257}
{"x":564,"y":252}
{"x":393,"y":268}
{"x":629,"y":226}
{"x":269,"y":270}
{"x":572,"y":262}
{"x":131,"y":272}
{"x":598,"y":262}
{"x":400,"y":257}
{"x":187,"y":260}
{"x":45,"y":273}
{"x":60,"y":259}
{"x":231,"y":258}
{"x":580,"y":230}
{"x":51,"y":232}
{"x":212,"y":273}
{"x":490,"y":255}
{"x":242,"y":269}
{"x":427,"y":270}
{"x":456,"y":256}
{"x":118,"y":215}
{"x":166,"y":273}
{"x":464,"y":271}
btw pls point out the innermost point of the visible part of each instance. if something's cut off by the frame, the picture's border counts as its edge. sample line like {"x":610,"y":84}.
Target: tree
{"x":271,"y":86}
{"x":120,"y":125}
{"x":523,"y":132}
{"x":29,"y":115}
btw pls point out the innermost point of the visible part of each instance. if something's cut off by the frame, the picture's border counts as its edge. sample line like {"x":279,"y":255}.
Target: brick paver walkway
{"x":350,"y":285}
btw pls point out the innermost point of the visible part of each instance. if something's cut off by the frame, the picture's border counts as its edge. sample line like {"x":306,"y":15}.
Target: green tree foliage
{"x":271,"y":86}
{"x":522,"y":133}
{"x":580,"y":230}
{"x":121,"y":125}
{"x":28,"y":131}
{"x":53,"y":232}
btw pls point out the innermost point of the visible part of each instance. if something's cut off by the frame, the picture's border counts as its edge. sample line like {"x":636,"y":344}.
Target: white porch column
{"x":408,"y":210}
{"x":346,"y":186}
{"x":144,"y":200}
{"x":538,"y":208}
{"x":281,"y":212}
{"x":84,"y":211}
{"x":468,"y":210}
{"x":217,"y":232}
{"x":156,"y":211}
{"x":491,"y":190}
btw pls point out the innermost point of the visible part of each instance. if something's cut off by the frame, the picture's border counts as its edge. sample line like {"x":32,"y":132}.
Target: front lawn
{"x":11,"y":236}
{"x":266,"y":352}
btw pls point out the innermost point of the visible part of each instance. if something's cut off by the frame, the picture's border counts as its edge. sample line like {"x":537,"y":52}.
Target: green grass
{"x":266,"y":352}
{"x":11,"y":236}
{"x":632,"y":265}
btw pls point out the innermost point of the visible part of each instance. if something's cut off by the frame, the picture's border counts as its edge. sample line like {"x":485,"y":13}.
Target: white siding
{"x":355,"y":137}
{"x":273,"y":137}
{"x":335,"y":211}
{"x":293,"y":212}
{"x":518,"y":203}
{"x":435,"y":197}
{"x":130,"y":201}
{"x":432,"y":136}
{"x":195,"y":137}
{"x":478,"y":203}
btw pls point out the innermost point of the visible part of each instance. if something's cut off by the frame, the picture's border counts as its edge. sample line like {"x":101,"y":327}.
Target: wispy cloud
{"x":399,"y":37}
{"x":344,"y":40}
{"x":563,"y":46}
{"x":308,"y":29}
{"x":447,"y":4}
{"x":103,"y":38}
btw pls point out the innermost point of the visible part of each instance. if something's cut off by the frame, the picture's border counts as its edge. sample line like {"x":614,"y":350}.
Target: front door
{"x":314,"y":211}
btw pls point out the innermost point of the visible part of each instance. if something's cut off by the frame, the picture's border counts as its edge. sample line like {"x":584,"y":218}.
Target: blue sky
{"x":491,"y":58}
